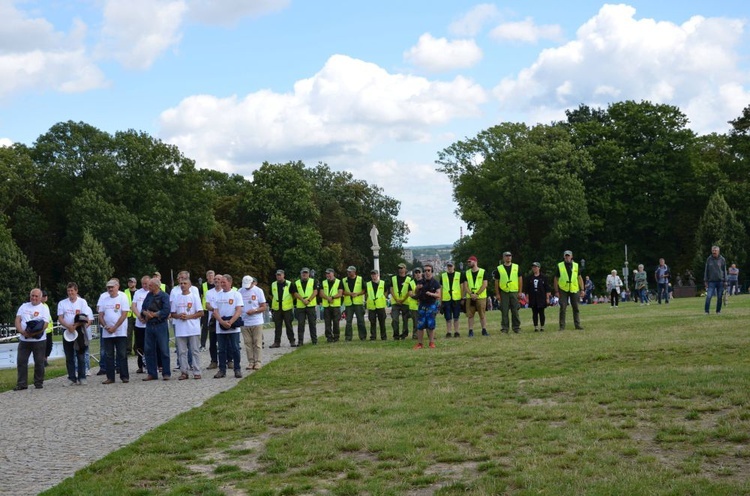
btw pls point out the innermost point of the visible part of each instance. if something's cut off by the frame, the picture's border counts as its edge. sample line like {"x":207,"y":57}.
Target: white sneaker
{"x":72,"y":383}
{"x":83,"y":382}
{"x":88,"y":372}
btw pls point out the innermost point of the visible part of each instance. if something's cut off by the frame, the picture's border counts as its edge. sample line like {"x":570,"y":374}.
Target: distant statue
{"x":679,"y":281}
{"x":689,"y":276}
{"x":374,"y":237}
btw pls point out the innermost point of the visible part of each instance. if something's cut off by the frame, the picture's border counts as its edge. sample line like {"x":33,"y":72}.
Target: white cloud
{"x":5,"y":142}
{"x":227,"y":12}
{"x":345,"y":109}
{"x":441,"y":55}
{"x":474,"y":20}
{"x":614,"y":57}
{"x":527,"y":31}
{"x":137,"y":32}
{"x":35,"y":56}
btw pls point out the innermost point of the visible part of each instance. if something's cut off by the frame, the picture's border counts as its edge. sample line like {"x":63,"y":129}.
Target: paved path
{"x":46,"y":435}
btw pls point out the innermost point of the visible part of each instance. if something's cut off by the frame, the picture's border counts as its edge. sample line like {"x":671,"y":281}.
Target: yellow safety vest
{"x":203,"y":296}
{"x":130,"y":301}
{"x":375,"y":300}
{"x":474,"y":285}
{"x":508,"y":283}
{"x":306,"y":294}
{"x":571,"y":286}
{"x":404,"y":290}
{"x":50,"y":327}
{"x":332,"y":291}
{"x":451,"y":291}
{"x":411,"y":301}
{"x":357,"y":300}
{"x":286,"y":298}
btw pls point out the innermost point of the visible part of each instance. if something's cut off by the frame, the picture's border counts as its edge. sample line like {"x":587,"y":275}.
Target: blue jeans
{"x":157,"y":343}
{"x":662,"y":288}
{"x":642,"y":295}
{"x":74,"y":361}
{"x":714,"y":288}
{"x":118,"y":346}
{"x":229,"y":347}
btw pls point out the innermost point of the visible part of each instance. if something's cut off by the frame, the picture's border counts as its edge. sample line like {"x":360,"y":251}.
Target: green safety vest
{"x":565,"y":284}
{"x":286,"y":298}
{"x":474,"y":285}
{"x":203,"y":296}
{"x":451,"y":291}
{"x":404,"y":290}
{"x":332,"y":291}
{"x":50,"y":327}
{"x":508,"y":283}
{"x":357,"y":300}
{"x":307,"y":293}
{"x":375,"y":300}
{"x":130,"y":302}
{"x":411,"y":301}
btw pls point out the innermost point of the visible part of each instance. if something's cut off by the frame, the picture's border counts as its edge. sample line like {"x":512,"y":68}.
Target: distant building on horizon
{"x":408,"y":255}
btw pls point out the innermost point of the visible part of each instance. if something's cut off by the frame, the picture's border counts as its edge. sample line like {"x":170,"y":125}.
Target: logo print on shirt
{"x":231,"y":301}
{"x":190,"y":305}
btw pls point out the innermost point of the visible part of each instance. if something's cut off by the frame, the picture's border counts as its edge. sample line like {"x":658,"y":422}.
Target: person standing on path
{"x":140,"y":323}
{"x":155,"y":311}
{"x":70,"y":314}
{"x":228,"y":316}
{"x":113,"y":308}
{"x":714,"y":277}
{"x":568,"y":288}
{"x":186,"y":311}
{"x":254,"y":301}
{"x":32,"y":319}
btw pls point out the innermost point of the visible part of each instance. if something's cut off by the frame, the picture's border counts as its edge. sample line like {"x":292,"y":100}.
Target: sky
{"x":377,"y":89}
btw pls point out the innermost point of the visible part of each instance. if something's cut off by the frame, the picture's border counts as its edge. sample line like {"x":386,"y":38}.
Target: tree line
{"x":632,"y":174}
{"x":84,"y":205}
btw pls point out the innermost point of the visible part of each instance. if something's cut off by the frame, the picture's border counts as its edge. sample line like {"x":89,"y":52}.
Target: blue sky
{"x":377,"y":89}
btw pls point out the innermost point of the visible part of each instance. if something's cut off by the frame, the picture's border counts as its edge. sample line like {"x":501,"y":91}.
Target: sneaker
{"x":448,"y":335}
{"x":418,"y":346}
{"x":579,"y":328}
{"x":101,"y":372}
{"x":485,"y":333}
{"x":536,"y":329}
{"x":275,"y":345}
{"x":108,"y":381}
{"x":88,"y":372}
{"x":202,"y":348}
{"x":213,"y":365}
{"x":38,"y":386}
{"x":541,"y":329}
{"x":432,"y":344}
{"x":72,"y":383}
{"x":220,"y":375}
{"x":230,"y":365}
{"x":238,"y":374}
{"x":456,"y":335}
{"x":20,"y":388}
{"x":471,"y":333}
{"x":83,"y":382}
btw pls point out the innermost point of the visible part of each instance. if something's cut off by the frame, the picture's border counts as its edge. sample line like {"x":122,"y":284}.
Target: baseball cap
{"x":132,"y":279}
{"x":304,"y":269}
{"x":472,"y":259}
{"x":112,"y":283}
{"x":402,"y":266}
{"x":373,"y":271}
{"x":351,"y":268}
{"x":417,"y":270}
{"x":449,"y":263}
{"x":568,"y":252}
{"x":280,"y":272}
{"x":507,"y":254}
{"x":247,"y":281}
{"x":536,"y":264}
{"x":330,"y":271}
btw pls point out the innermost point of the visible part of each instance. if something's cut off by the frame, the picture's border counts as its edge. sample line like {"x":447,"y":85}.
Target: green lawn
{"x":646,"y":400}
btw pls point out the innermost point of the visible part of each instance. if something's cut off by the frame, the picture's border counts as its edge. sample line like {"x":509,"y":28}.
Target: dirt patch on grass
{"x":247,"y":460}
{"x":448,"y":474}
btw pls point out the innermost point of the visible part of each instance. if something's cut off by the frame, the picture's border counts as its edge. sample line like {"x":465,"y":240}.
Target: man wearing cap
{"x":452,"y":294}
{"x":252,"y":330}
{"x":475,"y":293}
{"x":400,"y":287}
{"x":413,"y":303}
{"x":354,"y":299}
{"x":539,"y":293}
{"x":331,"y":291}
{"x":376,"y":303}
{"x":228,"y":315}
{"x":31,"y":323}
{"x":305,"y":293}
{"x":568,"y":287}
{"x":140,"y":322}
{"x":508,"y":288}
{"x":155,"y":311}
{"x":428,"y":295}
{"x":282,"y":305}
{"x":129,"y":293}
{"x":186,"y":311}
{"x":113,"y":309}
{"x":73,"y":312}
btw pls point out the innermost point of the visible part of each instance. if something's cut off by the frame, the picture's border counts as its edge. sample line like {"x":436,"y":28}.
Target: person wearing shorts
{"x":428,"y":295}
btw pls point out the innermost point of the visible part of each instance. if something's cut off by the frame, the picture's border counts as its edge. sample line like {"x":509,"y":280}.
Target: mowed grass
{"x":646,"y":400}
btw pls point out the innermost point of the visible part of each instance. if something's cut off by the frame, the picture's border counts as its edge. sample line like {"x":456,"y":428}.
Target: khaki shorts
{"x":476,"y":306}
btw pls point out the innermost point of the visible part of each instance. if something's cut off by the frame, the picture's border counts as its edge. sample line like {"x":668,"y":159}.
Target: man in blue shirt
{"x":155,"y":312}
{"x":428,"y":294}
{"x":662,"y":281}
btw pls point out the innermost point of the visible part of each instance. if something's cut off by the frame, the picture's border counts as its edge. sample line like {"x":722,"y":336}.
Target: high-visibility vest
{"x":411,"y":301}
{"x":286,"y":297}
{"x":565,"y":284}
{"x":306,"y":294}
{"x":50,"y":326}
{"x":508,"y":283}
{"x":203,"y":296}
{"x":475,"y":284}
{"x":129,"y":296}
{"x":451,"y":291}
{"x":331,"y":290}
{"x":163,"y":287}
{"x":375,"y":299}
{"x":357,"y":300}
{"x":404,"y":290}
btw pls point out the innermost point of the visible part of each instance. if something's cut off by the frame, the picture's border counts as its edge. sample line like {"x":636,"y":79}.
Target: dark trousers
{"x":614,"y":298}
{"x":75,"y":373}
{"x":282,"y":317}
{"x":204,"y":327}
{"x":537,"y":315}
{"x":414,"y":317}
{"x":359,"y":312}
{"x":377,"y":315}
{"x":25,"y":350}
{"x":509,"y":302}
{"x":131,"y":333}
{"x":48,"y":347}
{"x":306,"y":314}
{"x":140,"y":344}
{"x":564,"y":296}
{"x":116,"y":346}
{"x":332,"y":319}
{"x":400,"y":312}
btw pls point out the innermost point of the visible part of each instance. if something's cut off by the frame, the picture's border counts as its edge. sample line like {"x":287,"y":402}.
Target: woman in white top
{"x":614,"y":286}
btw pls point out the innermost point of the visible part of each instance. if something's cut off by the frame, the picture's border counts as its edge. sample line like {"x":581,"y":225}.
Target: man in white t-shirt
{"x":252,"y":331}
{"x":211,"y":296}
{"x":32,"y":320}
{"x":70,"y":313}
{"x":140,"y":323}
{"x":187,"y":310}
{"x":175,"y":291}
{"x":113,"y":308}
{"x":227,"y":311}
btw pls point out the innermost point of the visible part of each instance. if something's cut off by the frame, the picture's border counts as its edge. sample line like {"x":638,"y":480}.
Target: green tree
{"x":719,"y":226}
{"x":90,"y":268}
{"x":17,"y":278}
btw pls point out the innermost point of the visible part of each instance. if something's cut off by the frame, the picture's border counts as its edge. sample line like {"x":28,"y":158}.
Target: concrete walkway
{"x":48,"y":434}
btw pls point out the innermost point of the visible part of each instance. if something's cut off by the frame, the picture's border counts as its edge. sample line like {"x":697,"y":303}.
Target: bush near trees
{"x":632,"y":174}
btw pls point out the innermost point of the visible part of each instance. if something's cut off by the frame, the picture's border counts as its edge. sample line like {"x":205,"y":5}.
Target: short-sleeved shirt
{"x":425,"y":286}
{"x":252,"y":299}
{"x":110,"y":310}
{"x":138,"y":298}
{"x":226,"y":302}
{"x":188,"y":304}
{"x":28,"y":312}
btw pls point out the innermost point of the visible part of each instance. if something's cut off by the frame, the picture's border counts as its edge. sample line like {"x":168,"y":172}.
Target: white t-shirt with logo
{"x":211,"y":296}
{"x":28,"y":312}
{"x":252,"y":298}
{"x":177,"y":290}
{"x":110,"y":310}
{"x":138,"y":298}
{"x":226,"y":302}
{"x":187,"y":304}
{"x":67,"y":311}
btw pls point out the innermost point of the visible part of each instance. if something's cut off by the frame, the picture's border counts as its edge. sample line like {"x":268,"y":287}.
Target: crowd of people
{"x":138,"y":320}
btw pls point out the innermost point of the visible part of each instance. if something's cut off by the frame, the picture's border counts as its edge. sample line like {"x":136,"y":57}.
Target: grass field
{"x":646,"y":400}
